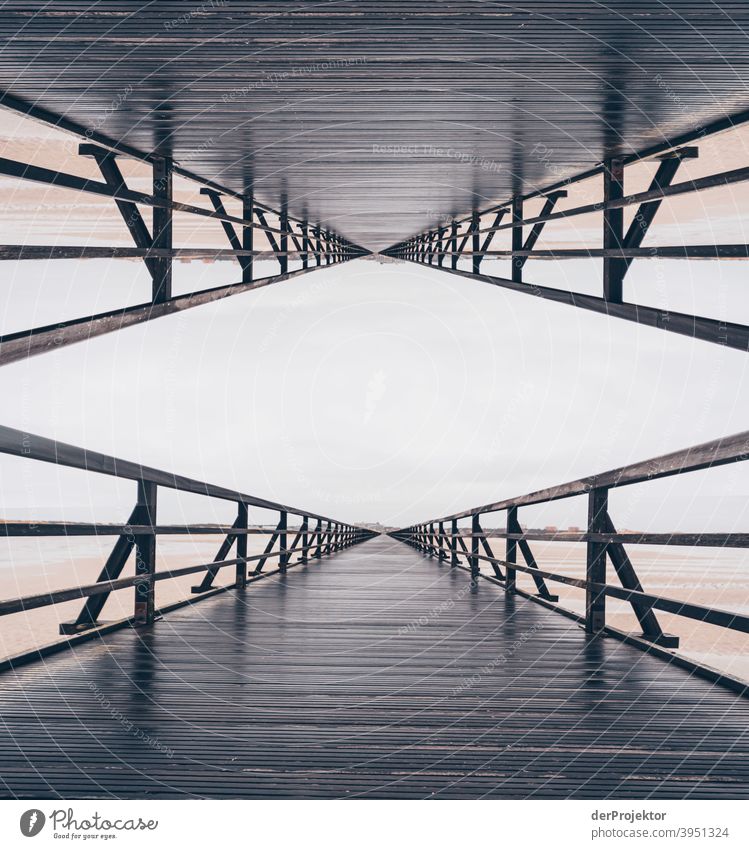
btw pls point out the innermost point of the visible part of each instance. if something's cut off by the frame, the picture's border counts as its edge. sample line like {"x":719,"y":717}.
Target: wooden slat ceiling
{"x":378,"y":119}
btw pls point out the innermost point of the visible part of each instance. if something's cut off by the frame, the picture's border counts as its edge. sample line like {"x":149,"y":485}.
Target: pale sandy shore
{"x":713,"y":577}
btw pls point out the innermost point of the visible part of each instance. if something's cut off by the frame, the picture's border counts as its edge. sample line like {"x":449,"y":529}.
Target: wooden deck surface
{"x":377,"y":673}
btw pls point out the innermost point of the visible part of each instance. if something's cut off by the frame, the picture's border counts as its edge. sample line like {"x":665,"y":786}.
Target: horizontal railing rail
{"x":470,"y":239}
{"x":604,"y":544}
{"x":289,"y":238}
{"x":139,"y":534}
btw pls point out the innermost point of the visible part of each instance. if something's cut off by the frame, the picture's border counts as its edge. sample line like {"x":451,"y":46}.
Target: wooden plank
{"x":383,"y":674}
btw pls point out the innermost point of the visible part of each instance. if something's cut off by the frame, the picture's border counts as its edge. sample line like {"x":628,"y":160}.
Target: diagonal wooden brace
{"x":646,"y":212}
{"x":231,"y":233}
{"x":110,"y":170}
{"x":651,"y":628}
{"x":513,"y":527}
{"x":207,"y":582}
{"x":91,"y":610}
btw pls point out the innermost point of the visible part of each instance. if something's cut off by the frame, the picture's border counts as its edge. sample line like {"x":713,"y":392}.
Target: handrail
{"x":34,"y":447}
{"x":290,"y":239}
{"x":603,"y":542}
{"x":141,"y":531}
{"x":717,"y":452}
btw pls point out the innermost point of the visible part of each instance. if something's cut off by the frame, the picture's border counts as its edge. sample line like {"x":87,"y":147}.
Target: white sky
{"x":374,"y":392}
{"x":371,"y":392}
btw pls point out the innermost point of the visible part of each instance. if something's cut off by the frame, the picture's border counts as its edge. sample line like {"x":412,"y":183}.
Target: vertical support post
{"x":283,"y":561}
{"x":305,"y":538}
{"x":145,"y":556}
{"x":248,"y":233}
{"x":328,"y":538}
{"x":595,"y":571}
{"x":318,"y":533}
{"x":475,"y":531}
{"x":318,"y":247}
{"x":283,"y":242}
{"x":162,"y":230}
{"x":511,"y":550}
{"x":517,"y":238}
{"x":305,"y":246}
{"x":476,"y":242}
{"x":613,"y":230}
{"x":454,"y":245}
{"x":454,"y":543}
{"x":242,"y":516}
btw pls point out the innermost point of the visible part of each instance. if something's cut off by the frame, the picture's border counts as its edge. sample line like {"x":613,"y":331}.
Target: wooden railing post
{"x":282,"y":541}
{"x":517,"y":238}
{"x":162,"y":229}
{"x":241,"y":572}
{"x":475,"y":531}
{"x":305,"y":244}
{"x":145,"y":556}
{"x":613,"y":235}
{"x":318,"y":533}
{"x":595,"y":572}
{"x":511,"y":551}
{"x":454,"y":543}
{"x":305,"y":538}
{"x":283,"y":256}
{"x":476,"y":241}
{"x":248,"y":233}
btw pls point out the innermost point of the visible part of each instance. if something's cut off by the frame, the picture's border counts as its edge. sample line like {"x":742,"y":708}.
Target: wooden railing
{"x":603,"y":541}
{"x":314,"y":537}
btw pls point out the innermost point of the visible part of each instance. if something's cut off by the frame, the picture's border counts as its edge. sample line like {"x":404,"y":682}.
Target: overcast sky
{"x":376,"y":392}
{"x":371,"y":392}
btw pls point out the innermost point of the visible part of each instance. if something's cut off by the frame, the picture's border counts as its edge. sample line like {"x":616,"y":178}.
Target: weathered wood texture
{"x":376,"y":673}
{"x":381,"y":117}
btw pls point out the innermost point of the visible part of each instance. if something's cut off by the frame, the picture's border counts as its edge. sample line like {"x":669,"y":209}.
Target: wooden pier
{"x":377,"y":672}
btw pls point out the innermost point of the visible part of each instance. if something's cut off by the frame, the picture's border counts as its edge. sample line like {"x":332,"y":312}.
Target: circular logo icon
{"x":32,"y":822}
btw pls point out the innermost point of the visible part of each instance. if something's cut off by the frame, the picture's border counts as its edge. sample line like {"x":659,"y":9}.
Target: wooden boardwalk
{"x":375,"y":673}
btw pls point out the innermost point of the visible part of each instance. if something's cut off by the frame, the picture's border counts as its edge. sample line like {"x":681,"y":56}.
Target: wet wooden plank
{"x":382,"y":100}
{"x":375,"y":673}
